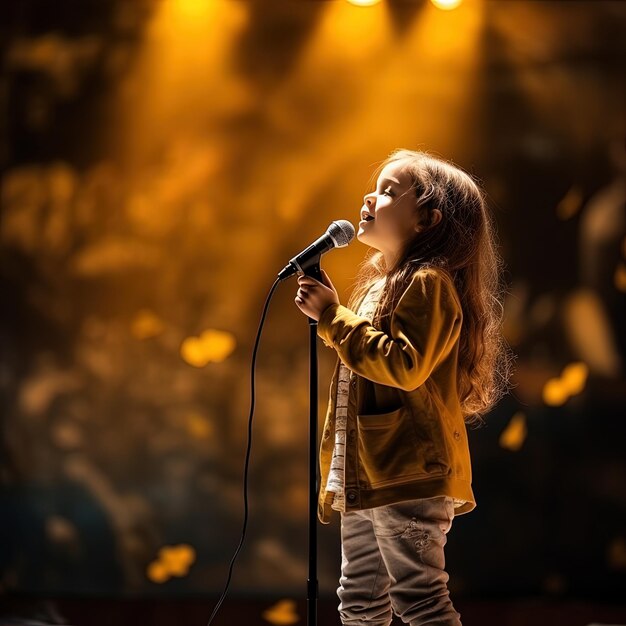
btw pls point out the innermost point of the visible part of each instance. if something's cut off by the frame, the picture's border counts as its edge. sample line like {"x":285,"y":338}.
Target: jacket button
{"x":326,"y":434}
{"x":457,"y":435}
{"x":353,"y":382}
{"x":351,"y":495}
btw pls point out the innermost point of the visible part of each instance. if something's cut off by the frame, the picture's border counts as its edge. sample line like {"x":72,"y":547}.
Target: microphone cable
{"x":245,"y":482}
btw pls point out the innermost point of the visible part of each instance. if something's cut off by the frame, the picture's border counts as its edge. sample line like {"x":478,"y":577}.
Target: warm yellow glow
{"x":555,"y":393}
{"x":365,"y":65}
{"x":514,"y":435}
{"x":157,"y":572}
{"x":177,"y":559}
{"x":190,"y":9}
{"x":574,"y":377}
{"x":282,"y":613}
{"x":363,"y":3}
{"x":183,"y":76}
{"x":171,"y":561}
{"x":572,"y":381}
{"x":211,"y":345}
{"x":446,"y":5}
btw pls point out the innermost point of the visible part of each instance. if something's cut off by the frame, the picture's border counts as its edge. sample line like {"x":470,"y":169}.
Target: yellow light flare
{"x":157,"y":572}
{"x":514,"y":435}
{"x":574,"y":377}
{"x":177,"y":559}
{"x":146,"y":324}
{"x":172,"y":561}
{"x":452,"y":38}
{"x":620,"y":277}
{"x":282,"y":613}
{"x":363,"y":3}
{"x":570,"y":204}
{"x":189,"y":11}
{"x":362,"y":62}
{"x":555,"y":393}
{"x":446,"y":5}
{"x":342,"y":23}
{"x":211,"y":346}
{"x":183,"y":77}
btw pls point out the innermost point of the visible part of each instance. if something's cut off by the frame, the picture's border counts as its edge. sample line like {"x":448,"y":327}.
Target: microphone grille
{"x":342,"y":232}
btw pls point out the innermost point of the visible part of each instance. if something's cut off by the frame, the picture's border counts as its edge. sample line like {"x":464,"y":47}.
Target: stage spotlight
{"x":363,"y":3}
{"x":446,"y":5}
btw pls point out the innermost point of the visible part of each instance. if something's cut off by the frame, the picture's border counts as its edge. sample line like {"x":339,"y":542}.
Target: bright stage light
{"x":363,"y":3}
{"x":446,"y":5}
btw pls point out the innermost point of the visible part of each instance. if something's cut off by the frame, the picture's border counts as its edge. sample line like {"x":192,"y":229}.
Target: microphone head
{"x":341,"y":232}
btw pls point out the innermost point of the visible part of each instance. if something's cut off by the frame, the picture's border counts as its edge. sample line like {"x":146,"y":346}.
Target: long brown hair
{"x":462,"y":244}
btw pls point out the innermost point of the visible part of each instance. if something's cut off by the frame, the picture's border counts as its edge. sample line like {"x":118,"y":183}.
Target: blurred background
{"x":161,"y":162}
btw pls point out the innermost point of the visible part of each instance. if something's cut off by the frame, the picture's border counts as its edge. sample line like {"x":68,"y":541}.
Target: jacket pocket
{"x":390,"y":451}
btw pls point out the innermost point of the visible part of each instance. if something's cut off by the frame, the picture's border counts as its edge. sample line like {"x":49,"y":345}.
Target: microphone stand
{"x":312,"y":582}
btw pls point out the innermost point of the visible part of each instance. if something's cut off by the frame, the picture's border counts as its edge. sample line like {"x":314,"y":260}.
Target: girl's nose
{"x":369,"y":200}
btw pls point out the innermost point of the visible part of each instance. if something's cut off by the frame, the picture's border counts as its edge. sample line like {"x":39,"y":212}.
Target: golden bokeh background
{"x":162,"y":161}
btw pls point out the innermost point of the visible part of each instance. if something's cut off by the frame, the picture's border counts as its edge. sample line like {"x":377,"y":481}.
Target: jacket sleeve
{"x":424,"y":325}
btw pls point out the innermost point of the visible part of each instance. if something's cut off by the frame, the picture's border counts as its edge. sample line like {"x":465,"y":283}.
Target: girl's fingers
{"x":307,"y":280}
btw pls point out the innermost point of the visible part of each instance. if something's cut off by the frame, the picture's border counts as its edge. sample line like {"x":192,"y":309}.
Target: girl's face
{"x":392,"y":205}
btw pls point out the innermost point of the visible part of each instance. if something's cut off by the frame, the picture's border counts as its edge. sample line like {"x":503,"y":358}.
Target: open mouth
{"x":367,"y":218}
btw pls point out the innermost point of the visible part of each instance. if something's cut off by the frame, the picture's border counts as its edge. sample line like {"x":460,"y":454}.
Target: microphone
{"x":339,"y":234}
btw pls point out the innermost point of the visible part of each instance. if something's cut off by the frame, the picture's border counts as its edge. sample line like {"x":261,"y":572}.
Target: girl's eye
{"x":387,"y":191}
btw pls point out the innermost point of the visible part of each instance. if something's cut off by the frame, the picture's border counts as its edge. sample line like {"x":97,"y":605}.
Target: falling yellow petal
{"x":212,"y":345}
{"x":574,"y":377}
{"x":514,"y":435}
{"x":177,"y":559}
{"x":157,"y":572}
{"x":283,"y":612}
{"x":555,"y":393}
{"x":146,"y":324}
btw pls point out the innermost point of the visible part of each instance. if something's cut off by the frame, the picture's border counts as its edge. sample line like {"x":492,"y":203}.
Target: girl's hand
{"x":313,"y":297}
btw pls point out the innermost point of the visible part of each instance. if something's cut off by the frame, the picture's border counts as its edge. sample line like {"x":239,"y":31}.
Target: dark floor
{"x":237,"y":611}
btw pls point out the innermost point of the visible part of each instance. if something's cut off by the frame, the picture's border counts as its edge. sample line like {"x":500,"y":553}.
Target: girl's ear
{"x":435,"y":216}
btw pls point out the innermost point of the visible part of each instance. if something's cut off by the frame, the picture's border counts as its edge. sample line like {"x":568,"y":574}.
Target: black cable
{"x":245,"y":471}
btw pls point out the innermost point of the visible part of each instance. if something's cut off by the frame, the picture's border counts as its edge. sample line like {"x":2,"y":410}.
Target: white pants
{"x":392,"y":558}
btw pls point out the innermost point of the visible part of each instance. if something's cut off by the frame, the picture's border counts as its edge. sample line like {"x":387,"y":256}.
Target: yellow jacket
{"x":405,"y":434}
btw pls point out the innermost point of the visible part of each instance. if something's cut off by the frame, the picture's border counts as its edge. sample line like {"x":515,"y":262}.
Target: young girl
{"x":422,"y":357}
